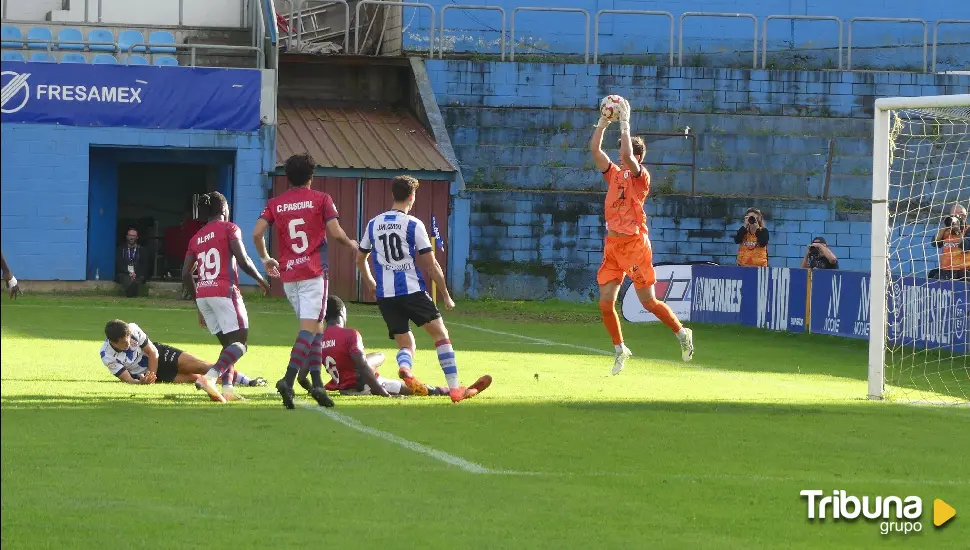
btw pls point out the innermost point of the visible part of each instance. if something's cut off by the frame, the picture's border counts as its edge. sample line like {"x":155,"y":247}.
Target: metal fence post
{"x":561,"y":10}
{"x":596,"y":29}
{"x":848,"y":64}
{"x":441,"y":31}
{"x":402,"y":4}
{"x":936,"y":29}
{"x":686,"y":14}
{"x":764,"y":32}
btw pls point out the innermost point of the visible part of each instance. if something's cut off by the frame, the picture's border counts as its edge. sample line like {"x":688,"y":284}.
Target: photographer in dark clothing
{"x":818,"y":256}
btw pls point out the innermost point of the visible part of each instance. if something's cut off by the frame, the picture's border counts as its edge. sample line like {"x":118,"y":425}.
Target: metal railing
{"x":441,"y":31}
{"x":936,"y":30}
{"x":848,"y":61}
{"x":596,"y":29}
{"x":693,"y":153}
{"x":296,"y":21}
{"x":260,"y":58}
{"x":402,"y":4}
{"x":764,"y":32}
{"x":558,"y":10}
{"x":685,"y":15}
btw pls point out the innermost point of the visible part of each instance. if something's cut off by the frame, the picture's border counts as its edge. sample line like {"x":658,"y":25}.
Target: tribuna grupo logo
{"x":894,"y":514}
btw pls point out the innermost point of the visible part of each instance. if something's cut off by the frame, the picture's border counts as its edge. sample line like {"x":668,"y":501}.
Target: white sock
{"x":227,"y":388}
{"x":681,"y":334}
{"x":618,"y":348}
{"x":213,"y":373}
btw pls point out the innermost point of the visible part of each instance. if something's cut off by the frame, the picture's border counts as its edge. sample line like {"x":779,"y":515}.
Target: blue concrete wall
{"x":527,"y":125}
{"x":45,"y":187}
{"x":533,"y":245}
{"x":545,"y":32}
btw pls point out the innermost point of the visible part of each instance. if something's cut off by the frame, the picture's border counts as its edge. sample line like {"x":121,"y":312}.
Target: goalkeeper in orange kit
{"x":627,"y":249}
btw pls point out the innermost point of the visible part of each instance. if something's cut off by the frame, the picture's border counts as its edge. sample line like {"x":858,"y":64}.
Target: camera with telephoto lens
{"x":752,"y":220}
{"x":952,"y":222}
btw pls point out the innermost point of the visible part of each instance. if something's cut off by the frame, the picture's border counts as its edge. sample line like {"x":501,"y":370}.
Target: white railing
{"x":764,"y":32}
{"x":596,"y":29}
{"x":441,"y":31}
{"x":936,"y":29}
{"x":558,"y":10}
{"x":429,"y":7}
{"x":848,"y":57}
{"x":685,"y":15}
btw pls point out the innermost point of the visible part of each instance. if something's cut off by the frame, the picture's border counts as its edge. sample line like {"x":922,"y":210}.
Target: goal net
{"x":919,"y":347}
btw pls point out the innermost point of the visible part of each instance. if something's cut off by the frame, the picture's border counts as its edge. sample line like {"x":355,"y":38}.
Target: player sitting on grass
{"x":351,"y":370}
{"x":401,"y":250}
{"x":627,"y":250}
{"x":133,"y":358}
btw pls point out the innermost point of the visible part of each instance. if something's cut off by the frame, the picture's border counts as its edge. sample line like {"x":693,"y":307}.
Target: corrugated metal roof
{"x":356,"y":138}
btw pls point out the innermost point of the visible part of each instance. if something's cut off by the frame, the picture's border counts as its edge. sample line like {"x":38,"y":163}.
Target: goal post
{"x":920,"y":169}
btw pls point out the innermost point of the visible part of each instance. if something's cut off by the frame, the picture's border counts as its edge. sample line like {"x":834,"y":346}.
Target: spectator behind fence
{"x":131,"y":265}
{"x":953,"y":240}
{"x":752,"y":240}
{"x":819,"y":256}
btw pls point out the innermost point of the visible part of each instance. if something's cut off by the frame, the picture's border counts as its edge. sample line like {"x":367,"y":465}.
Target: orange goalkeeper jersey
{"x":624,"y":200}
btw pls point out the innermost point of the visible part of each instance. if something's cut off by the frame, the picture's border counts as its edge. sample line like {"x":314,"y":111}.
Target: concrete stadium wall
{"x":527,"y":125}
{"x":535,"y":245}
{"x":195,"y":13}
{"x":726,"y":41}
{"x":46,"y":184}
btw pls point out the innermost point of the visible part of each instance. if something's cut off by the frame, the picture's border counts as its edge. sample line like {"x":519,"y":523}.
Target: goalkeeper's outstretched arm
{"x":600,"y":158}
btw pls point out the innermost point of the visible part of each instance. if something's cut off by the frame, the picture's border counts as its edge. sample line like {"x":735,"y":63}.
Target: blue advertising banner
{"x":124,"y":96}
{"x":929,"y":314}
{"x":771,"y":297}
{"x":840,"y":303}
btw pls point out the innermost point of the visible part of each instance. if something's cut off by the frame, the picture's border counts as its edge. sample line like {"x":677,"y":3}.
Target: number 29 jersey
{"x":299,"y":216}
{"x":396,"y":240}
{"x":214,"y":261}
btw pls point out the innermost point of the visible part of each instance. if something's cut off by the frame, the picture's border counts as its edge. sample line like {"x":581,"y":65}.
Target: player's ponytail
{"x":205,"y":206}
{"x":212,"y":204}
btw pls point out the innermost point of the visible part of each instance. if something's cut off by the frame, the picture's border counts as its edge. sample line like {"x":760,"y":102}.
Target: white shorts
{"x":224,"y":315}
{"x":392,"y":386}
{"x":308,"y":298}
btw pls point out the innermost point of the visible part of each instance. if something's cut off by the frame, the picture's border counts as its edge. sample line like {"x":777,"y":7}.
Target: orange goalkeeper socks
{"x":612,"y":322}
{"x":664,"y":313}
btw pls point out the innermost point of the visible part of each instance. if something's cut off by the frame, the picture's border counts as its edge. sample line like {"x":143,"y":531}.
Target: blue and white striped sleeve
{"x":365,"y":245}
{"x":421,"y":241}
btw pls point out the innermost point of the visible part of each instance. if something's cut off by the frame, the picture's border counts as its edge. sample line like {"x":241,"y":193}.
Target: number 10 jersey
{"x":299,"y":216}
{"x":396,"y":240}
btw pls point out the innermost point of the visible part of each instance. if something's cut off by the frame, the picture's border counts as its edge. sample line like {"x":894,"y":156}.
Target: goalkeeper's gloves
{"x":603,"y":123}
{"x":624,"y":116}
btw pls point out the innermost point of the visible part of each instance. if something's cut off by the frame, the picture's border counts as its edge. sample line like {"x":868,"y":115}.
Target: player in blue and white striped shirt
{"x":395,"y":245}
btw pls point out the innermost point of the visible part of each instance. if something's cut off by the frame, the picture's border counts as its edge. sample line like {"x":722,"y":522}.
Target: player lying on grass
{"x":401,"y":251}
{"x":351,"y":370}
{"x":627,"y":249}
{"x":8,"y":277}
{"x":214,"y":252}
{"x":133,"y":358}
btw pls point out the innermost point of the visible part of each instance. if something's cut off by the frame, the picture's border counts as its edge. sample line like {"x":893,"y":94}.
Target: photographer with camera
{"x":818,"y":256}
{"x":953,"y":240}
{"x":752,"y":240}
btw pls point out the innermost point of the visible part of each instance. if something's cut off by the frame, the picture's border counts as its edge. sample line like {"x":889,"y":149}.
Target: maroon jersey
{"x":214,"y":260}
{"x":339,"y":346}
{"x":299,"y":217}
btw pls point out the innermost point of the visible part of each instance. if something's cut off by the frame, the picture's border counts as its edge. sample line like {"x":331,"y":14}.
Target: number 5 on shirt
{"x":300,"y":242}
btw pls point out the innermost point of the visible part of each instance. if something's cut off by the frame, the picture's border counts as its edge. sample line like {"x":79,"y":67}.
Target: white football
{"x":610,"y":107}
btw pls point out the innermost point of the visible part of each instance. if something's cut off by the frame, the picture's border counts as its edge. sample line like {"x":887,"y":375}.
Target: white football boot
{"x":686,"y":338}
{"x":620,"y":359}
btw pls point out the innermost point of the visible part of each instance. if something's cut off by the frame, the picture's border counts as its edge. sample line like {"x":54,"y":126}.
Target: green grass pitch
{"x":707,"y":455}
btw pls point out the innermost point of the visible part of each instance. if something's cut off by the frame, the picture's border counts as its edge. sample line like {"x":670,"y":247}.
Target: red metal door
{"x":343,"y":269}
{"x":432,"y":198}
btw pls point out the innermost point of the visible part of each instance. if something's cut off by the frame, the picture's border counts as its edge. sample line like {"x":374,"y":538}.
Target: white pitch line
{"x":442,"y":456}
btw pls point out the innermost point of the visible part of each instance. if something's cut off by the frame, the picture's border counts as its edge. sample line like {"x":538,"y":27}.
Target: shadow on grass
{"x":720,"y":347}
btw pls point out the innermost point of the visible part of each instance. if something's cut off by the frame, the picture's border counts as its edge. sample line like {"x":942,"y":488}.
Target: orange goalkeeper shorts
{"x":627,"y":256}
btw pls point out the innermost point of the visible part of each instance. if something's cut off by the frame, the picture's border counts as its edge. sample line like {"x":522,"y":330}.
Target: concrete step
{"x":564,"y":119}
{"x":748,"y":183}
{"x":493,"y":155}
{"x":728,"y":143}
